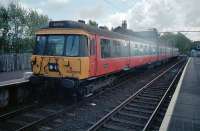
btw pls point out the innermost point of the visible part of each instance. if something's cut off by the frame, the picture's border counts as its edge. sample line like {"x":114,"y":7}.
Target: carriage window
{"x":136,"y":46}
{"x":132,"y":49}
{"x":137,"y":49}
{"x":146,"y":50}
{"x":92,"y":47}
{"x":105,"y":48}
{"x":125,"y":49}
{"x":116,"y":49}
{"x":140,"y":49}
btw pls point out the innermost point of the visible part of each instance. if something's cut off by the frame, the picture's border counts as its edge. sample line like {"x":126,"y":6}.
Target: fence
{"x":14,"y":62}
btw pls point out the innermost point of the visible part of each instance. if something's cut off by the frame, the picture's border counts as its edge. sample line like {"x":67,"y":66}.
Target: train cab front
{"x":60,"y":56}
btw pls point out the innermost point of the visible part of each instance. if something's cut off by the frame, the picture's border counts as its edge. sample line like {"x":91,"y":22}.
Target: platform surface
{"x":7,"y":78}
{"x":183,"y":113}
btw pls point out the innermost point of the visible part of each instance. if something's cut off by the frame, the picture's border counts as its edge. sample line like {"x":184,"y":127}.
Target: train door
{"x":93,"y":55}
{"x":129,"y":54}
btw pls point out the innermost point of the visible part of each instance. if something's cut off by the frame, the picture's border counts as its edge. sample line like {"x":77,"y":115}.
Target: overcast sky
{"x":165,"y":15}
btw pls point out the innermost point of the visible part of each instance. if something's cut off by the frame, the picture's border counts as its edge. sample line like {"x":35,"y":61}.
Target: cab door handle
{"x":105,"y":65}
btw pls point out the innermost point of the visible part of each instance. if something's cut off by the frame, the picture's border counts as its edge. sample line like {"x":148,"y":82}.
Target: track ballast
{"x":140,"y":110}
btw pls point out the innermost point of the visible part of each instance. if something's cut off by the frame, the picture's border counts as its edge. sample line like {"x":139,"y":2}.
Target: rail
{"x":103,"y":120}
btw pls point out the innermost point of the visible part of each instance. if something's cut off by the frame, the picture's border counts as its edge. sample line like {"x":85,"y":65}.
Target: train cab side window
{"x":40,"y":45}
{"x":92,"y":47}
{"x":105,"y":48}
{"x":84,"y":46}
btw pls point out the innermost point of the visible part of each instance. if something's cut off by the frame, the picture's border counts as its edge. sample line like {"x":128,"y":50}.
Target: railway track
{"x":30,"y":117}
{"x":141,"y":109}
{"x":27,"y":117}
{"x":90,"y":111}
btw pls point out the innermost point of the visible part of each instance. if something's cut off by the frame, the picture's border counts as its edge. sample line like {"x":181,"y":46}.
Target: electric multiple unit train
{"x":83,"y":58}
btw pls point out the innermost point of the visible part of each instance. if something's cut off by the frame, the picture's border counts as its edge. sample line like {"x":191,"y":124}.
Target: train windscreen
{"x":55,"y":46}
{"x":61,"y":45}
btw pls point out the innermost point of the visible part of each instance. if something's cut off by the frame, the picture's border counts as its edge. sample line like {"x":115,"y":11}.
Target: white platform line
{"x":13,"y":82}
{"x":165,"y":124}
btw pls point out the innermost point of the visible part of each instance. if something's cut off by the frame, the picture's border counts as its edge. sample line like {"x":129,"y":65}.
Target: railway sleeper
{"x":148,"y":103}
{"x":144,"y":102}
{"x":154,"y":96}
{"x":137,"y":110}
{"x":161,"y":85}
{"x":155,"y":90}
{"x":153,"y":93}
{"x":126,"y":124}
{"x":154,"y":128}
{"x":162,"y":81}
{"x":37,"y":116}
{"x":41,"y":112}
{"x":159,"y":88}
{"x":108,"y":127}
{"x":141,"y":106}
{"x":20,"y":121}
{"x":132,"y":116}
{"x":148,"y":98}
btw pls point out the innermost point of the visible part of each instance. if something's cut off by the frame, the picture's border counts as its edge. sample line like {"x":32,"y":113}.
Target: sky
{"x":165,"y":15}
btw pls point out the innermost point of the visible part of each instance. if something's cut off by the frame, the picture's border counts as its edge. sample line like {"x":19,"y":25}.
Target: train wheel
{"x":4,"y":98}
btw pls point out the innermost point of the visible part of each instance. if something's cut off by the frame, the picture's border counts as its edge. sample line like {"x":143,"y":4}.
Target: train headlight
{"x":53,"y":67}
{"x":50,"y":67}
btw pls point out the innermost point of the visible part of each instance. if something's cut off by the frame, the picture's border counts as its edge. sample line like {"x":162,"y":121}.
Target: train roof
{"x":95,"y":30}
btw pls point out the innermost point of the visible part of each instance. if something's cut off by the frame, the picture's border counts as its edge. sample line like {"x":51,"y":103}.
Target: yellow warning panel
{"x":74,"y":67}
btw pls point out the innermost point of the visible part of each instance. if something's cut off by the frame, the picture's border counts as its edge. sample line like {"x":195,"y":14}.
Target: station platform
{"x":183,"y":113}
{"x":7,"y":78}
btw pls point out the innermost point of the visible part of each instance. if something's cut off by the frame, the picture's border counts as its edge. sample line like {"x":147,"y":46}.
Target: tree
{"x":4,"y":28}
{"x":178,"y":40}
{"x":92,"y":23}
{"x":34,"y":22}
{"x":17,"y":23}
{"x":17,"y":28}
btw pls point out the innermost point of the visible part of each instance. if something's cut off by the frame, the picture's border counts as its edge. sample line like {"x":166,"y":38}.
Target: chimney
{"x":81,"y":21}
{"x":103,"y":27}
{"x":124,"y":24}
